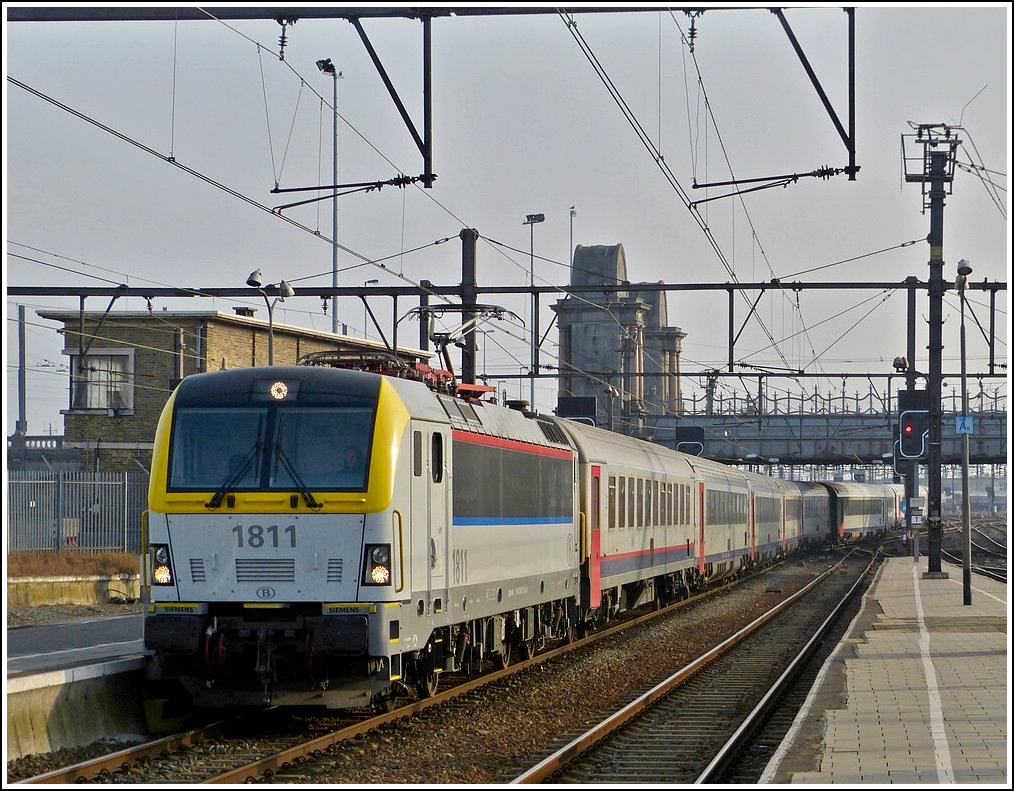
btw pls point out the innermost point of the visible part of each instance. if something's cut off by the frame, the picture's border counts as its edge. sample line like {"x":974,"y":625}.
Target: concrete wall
{"x":35,"y":591}
{"x":77,"y":706}
{"x":73,"y":708}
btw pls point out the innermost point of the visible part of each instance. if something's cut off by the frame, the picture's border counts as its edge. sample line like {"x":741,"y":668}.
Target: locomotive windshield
{"x":270,"y":448}
{"x":263,"y":449}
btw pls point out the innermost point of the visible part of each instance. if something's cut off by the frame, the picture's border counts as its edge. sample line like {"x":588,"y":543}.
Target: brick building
{"x":123,"y":367}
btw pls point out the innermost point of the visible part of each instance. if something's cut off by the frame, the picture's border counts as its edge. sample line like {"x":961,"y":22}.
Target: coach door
{"x":429,"y":508}
{"x":594,"y":577}
{"x":700,"y":522}
{"x":752,"y":526}
{"x":785,"y":524}
{"x":437,"y":479}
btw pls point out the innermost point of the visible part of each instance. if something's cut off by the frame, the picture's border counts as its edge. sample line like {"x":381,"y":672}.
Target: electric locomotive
{"x":334,"y":537}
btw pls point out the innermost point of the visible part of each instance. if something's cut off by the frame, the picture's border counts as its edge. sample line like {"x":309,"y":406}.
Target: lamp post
{"x":284,"y":290}
{"x":485,"y":342}
{"x":961,"y":283}
{"x":611,"y":395}
{"x":530,"y":221}
{"x":366,"y":317}
{"x":327,"y":67}
{"x":573,"y":214}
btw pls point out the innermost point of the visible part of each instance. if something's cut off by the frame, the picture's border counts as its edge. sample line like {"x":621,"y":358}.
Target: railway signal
{"x":913,"y":430}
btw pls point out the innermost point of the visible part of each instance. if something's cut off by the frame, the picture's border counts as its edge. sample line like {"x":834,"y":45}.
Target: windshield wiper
{"x":300,"y":485}
{"x":236,"y":477}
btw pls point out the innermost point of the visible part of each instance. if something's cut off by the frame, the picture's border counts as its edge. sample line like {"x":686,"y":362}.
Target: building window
{"x":105,"y":381}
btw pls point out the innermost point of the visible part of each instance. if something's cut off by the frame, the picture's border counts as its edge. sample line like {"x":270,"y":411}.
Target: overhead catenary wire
{"x":753,"y":231}
{"x":207,"y":179}
{"x":367,"y":262}
{"x":657,"y":158}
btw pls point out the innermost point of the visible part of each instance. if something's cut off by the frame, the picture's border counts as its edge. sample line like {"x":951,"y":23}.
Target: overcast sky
{"x":529,"y":116}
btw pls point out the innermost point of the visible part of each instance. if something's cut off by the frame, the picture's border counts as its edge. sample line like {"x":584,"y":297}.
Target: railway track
{"x":989,"y":546}
{"x":474,"y":717}
{"x":699,"y":724}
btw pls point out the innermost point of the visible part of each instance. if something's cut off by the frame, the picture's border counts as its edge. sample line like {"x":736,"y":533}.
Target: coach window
{"x":417,"y":453}
{"x":612,"y":502}
{"x":622,"y":501}
{"x":640,"y":502}
{"x":631,"y":504}
{"x":437,"y":458}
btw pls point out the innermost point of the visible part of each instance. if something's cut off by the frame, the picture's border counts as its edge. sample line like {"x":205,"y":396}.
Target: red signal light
{"x":913,"y":428}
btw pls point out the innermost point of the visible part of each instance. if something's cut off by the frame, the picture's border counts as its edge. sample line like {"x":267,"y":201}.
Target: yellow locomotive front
{"x":275,"y":543}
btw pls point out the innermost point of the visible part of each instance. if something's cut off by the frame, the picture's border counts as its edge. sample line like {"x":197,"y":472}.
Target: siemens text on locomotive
{"x":324,"y":536}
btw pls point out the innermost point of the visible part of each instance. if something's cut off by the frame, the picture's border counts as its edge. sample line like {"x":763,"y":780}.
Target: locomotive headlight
{"x":161,"y":567}
{"x":377,"y":569}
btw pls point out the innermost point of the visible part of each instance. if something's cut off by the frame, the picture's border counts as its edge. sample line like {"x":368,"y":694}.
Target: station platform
{"x":917,"y":692}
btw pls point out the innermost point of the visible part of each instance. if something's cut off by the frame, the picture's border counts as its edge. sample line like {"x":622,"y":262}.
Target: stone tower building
{"x":619,"y":359}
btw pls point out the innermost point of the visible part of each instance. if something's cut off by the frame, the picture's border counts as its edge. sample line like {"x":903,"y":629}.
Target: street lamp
{"x":284,"y":290}
{"x":530,"y":221}
{"x":485,"y":342}
{"x":611,"y":395}
{"x":366,"y":317}
{"x":327,"y":67}
{"x":961,"y":283}
{"x":573,"y":214}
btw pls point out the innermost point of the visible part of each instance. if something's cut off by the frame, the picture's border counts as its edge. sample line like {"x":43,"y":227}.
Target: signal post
{"x":939,"y":145}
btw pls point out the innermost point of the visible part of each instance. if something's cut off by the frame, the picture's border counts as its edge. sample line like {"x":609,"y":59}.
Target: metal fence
{"x":91,"y":512}
{"x":739,"y":403}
